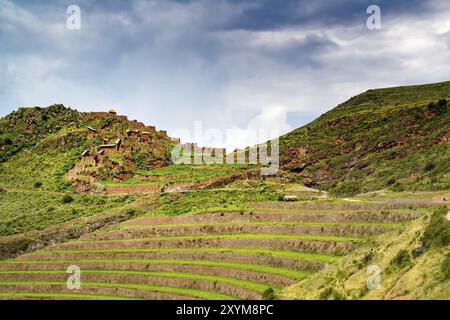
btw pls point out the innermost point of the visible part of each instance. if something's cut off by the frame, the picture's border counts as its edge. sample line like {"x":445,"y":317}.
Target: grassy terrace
{"x":245,"y":284}
{"x":202,"y":294}
{"x":325,"y":258}
{"x":263,"y":223}
{"x":282,"y":210}
{"x":64,"y":296}
{"x":238,"y":208}
{"x":178,"y":173}
{"x":335,"y":206}
{"x":312,"y":237}
{"x":289,"y":273}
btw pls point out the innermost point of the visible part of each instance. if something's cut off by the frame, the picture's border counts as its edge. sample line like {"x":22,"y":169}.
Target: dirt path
{"x":132,"y":189}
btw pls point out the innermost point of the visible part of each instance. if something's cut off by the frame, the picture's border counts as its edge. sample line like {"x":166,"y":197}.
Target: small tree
{"x":402,"y":259}
{"x":67,"y":199}
{"x":429,"y":166}
{"x":268,"y":294}
{"x":37,"y":184}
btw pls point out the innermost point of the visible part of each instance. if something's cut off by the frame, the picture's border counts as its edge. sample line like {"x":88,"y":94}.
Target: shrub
{"x":445,"y":267}
{"x":402,"y":259}
{"x":67,"y":199}
{"x":7,"y":141}
{"x":390,"y":182}
{"x":131,"y":211}
{"x":367,"y":257}
{"x":397,"y":187}
{"x":268,"y":294}
{"x":442,"y":103}
{"x":347,"y":189}
{"x":21,"y":245}
{"x":429,"y":166}
{"x":2,"y":190}
{"x":331,"y":293}
{"x":437,"y":232}
{"x":139,"y":160}
{"x":37,"y":184}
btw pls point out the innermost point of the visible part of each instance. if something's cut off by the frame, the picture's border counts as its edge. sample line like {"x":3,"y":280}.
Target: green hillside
{"x":395,"y":137}
{"x":98,"y":191}
{"x":40,"y":146}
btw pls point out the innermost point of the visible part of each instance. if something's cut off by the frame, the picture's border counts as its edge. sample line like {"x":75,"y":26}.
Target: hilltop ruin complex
{"x":116,"y":145}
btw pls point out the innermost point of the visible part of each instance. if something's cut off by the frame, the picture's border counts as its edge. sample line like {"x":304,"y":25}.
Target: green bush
{"x":268,"y":294}
{"x":442,"y":102}
{"x":331,"y":293}
{"x":131,"y":211}
{"x":37,"y":184}
{"x":139,"y":160}
{"x":367,"y":257}
{"x":397,"y":187}
{"x":21,"y":245}
{"x":390,"y":182}
{"x":437,"y":232}
{"x":7,"y":141}
{"x":67,"y":199}
{"x":429,"y":166}
{"x":346,"y":189}
{"x":445,"y":267}
{"x":402,"y":259}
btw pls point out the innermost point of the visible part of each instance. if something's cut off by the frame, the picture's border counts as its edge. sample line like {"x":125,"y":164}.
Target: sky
{"x":217,"y":72}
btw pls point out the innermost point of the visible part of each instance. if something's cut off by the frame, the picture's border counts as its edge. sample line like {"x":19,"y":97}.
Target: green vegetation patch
{"x":202,"y":294}
{"x":312,"y":237}
{"x":289,"y":273}
{"x":22,"y":211}
{"x":309,"y":256}
{"x":262,"y":223}
{"x":210,"y":200}
{"x":445,"y":267}
{"x":246,"y":284}
{"x":437,"y":232}
{"x":54,"y":295}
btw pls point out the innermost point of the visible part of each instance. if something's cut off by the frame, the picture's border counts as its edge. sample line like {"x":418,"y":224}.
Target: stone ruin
{"x":135,"y":137}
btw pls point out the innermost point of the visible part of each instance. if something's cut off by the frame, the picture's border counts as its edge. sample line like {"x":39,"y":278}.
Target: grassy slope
{"x":33,"y":182}
{"x":23,"y":211}
{"x":177,"y":174}
{"x":289,"y":273}
{"x":246,"y":284}
{"x":417,"y":278}
{"x":38,"y":147}
{"x":214,"y":200}
{"x":309,"y":256}
{"x":202,"y":294}
{"x":377,"y":139}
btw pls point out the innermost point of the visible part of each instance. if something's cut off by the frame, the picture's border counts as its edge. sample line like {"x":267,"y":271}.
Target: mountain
{"x":99,"y":191}
{"x":50,"y":157}
{"x":395,"y":137}
{"x":41,"y":145}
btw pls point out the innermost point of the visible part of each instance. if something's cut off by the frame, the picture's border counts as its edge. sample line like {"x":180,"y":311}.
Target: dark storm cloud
{"x":268,"y":14}
{"x":241,"y":64}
